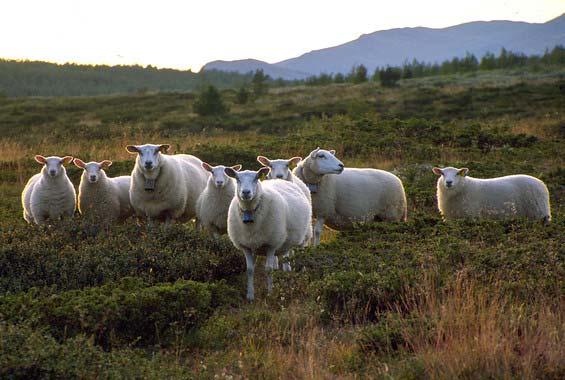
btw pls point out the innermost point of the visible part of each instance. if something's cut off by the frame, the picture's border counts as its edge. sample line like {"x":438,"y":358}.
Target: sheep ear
{"x":66,"y":160}
{"x":294,"y":161}
{"x":437,"y":171}
{"x":230,"y":172}
{"x":332,"y":152}
{"x":105,"y":164}
{"x":79,"y":163}
{"x":164,"y":148}
{"x":133,"y":149}
{"x":263,"y":172}
{"x":264,"y":160}
{"x":40,"y":159}
{"x":463,"y":172}
{"x":314,"y":152}
{"x":236,"y":167}
{"x":206,"y":166}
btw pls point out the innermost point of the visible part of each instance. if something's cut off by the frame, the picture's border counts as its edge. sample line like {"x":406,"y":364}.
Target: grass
{"x":416,"y":300}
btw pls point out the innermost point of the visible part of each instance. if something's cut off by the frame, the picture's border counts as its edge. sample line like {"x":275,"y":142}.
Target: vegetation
{"x":210,"y":103}
{"x":422,"y":299}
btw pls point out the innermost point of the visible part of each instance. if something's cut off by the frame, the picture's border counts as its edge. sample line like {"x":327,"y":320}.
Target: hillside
{"x":393,"y":47}
{"x":416,"y":300}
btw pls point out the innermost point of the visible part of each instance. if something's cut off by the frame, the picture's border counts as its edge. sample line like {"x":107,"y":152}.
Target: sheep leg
{"x":270,"y":265}
{"x":318,"y":228}
{"x":286,"y":266}
{"x":250,"y":261}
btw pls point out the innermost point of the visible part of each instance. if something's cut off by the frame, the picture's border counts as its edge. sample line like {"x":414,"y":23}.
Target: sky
{"x":185,"y":34}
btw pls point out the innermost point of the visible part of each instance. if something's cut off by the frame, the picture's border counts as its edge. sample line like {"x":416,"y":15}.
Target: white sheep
{"x":266,"y":218}
{"x":49,"y":194}
{"x":462,"y":197}
{"x":342,"y":196}
{"x":280,"y":169}
{"x":165,"y":186}
{"x":214,"y":202}
{"x":101,"y":198}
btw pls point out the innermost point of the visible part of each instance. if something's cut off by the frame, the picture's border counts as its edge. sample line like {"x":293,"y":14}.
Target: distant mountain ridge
{"x":395,"y":46}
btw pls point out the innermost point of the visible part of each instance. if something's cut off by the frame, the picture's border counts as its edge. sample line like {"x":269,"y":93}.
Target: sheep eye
{"x":322,"y":156}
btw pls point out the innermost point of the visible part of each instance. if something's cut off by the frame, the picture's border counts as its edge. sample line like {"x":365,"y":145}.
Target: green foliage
{"x":259,"y":83}
{"x":115,"y":314}
{"x":390,"y":76}
{"x":70,"y":256}
{"x":26,"y":353}
{"x":210,"y":103}
{"x":242,"y":96}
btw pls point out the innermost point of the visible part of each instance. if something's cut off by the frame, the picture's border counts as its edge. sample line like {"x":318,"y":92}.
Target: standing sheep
{"x":266,"y":218}
{"x":462,"y":197}
{"x":101,"y":198}
{"x":165,"y":186}
{"x":341,"y":196}
{"x":49,"y":194}
{"x":214,"y":202}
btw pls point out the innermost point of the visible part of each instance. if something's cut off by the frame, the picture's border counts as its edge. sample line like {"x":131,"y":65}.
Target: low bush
{"x":129,"y":312}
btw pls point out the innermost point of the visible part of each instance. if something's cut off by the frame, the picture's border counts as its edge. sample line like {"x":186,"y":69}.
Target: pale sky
{"x":186,"y":34}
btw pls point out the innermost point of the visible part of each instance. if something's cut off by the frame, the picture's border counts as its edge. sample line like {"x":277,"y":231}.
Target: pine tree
{"x":210,"y":102}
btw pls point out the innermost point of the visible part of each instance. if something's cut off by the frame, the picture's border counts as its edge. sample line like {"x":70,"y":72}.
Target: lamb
{"x":165,"y":187}
{"x":462,"y":197}
{"x":341,"y":197}
{"x":50,"y":193}
{"x":101,"y":198}
{"x":213,"y":204}
{"x":266,"y":218}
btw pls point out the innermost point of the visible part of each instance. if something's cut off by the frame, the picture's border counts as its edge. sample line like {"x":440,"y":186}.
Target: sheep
{"x":269,"y":218}
{"x":165,"y":186}
{"x":280,"y":169}
{"x":50,"y":193}
{"x":462,"y":197}
{"x":213,"y":204}
{"x":101,"y":198}
{"x":342,"y":196}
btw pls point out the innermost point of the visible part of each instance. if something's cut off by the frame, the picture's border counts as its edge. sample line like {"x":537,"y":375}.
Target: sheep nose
{"x":448,"y":183}
{"x":279,"y":176}
{"x":341,"y":166}
{"x":52,"y":172}
{"x":148,"y":165}
{"x":219,"y":183}
{"x":93,"y":178}
{"x":245,"y":193}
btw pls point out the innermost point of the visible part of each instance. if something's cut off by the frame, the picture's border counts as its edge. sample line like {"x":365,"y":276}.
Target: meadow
{"x":415,"y":300}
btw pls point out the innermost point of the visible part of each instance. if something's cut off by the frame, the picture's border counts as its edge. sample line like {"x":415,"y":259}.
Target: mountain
{"x":244,"y":66}
{"x":394,"y":46}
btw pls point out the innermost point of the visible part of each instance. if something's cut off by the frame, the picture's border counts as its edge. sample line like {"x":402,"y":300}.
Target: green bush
{"x":129,"y":312}
{"x":31,"y":354}
{"x":69,"y":256}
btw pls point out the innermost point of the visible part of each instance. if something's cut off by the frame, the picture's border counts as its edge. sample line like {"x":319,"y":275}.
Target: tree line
{"x":390,"y":75}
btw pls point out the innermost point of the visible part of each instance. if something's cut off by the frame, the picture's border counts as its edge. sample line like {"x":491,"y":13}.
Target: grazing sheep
{"x":165,"y":186}
{"x":49,"y":194}
{"x":214,"y":202}
{"x":462,"y":197}
{"x":341,"y":196}
{"x":266,"y":218}
{"x":101,"y":198}
{"x":280,"y":169}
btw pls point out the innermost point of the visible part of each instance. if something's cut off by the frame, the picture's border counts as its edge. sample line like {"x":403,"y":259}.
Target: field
{"x":416,"y":300}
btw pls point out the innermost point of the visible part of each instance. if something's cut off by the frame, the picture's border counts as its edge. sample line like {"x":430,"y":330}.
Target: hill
{"x":395,"y":46}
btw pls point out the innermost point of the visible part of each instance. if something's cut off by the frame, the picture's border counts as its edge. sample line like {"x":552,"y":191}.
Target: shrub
{"x":127,"y":312}
{"x":69,"y":256}
{"x":210,"y":103}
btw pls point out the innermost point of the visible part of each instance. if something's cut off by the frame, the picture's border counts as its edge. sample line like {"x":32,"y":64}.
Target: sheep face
{"x":325,"y":162}
{"x":219,"y":176}
{"x":53,"y":165}
{"x":280,"y":169}
{"x":92,"y":169}
{"x":148,"y":157}
{"x":452,"y":179}
{"x":248,"y":184}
